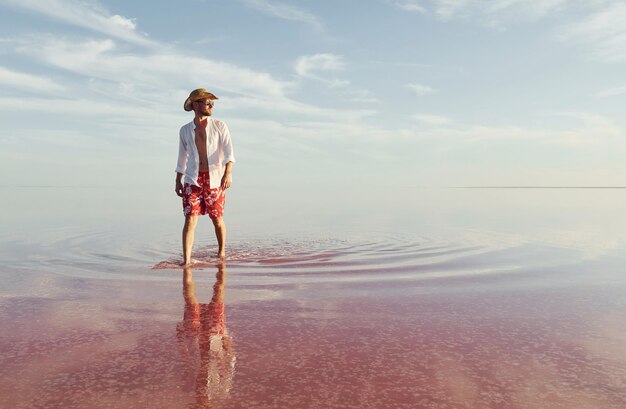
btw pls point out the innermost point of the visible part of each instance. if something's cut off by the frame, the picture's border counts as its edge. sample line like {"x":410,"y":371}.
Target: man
{"x":203,"y":173}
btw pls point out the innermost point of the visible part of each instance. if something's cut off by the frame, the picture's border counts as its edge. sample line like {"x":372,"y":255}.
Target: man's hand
{"x":226,"y":179}
{"x":179,"y":188}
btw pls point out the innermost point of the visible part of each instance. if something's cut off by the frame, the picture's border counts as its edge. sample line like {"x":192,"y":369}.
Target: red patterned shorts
{"x":203,"y":200}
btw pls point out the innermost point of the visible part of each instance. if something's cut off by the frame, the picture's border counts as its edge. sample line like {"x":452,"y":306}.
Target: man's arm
{"x":179,"y":184}
{"x":229,"y":156}
{"x":181,"y":165}
{"x":227,"y":178}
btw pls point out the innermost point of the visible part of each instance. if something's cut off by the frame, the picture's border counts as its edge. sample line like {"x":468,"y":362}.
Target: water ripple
{"x":379,"y":257}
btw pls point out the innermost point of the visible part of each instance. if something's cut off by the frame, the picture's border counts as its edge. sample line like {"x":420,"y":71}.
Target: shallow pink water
{"x":456,"y":342}
{"x":474,"y":319}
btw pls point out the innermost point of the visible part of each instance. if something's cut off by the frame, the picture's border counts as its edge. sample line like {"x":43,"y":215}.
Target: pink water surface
{"x":298,"y":334}
{"x":527,"y":311}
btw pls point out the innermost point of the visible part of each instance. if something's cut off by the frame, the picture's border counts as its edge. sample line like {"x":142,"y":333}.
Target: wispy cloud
{"x":431,"y":120}
{"x":496,"y":10}
{"x":296,"y":109}
{"x":161,"y":77}
{"x":530,"y":8}
{"x":153,"y":70}
{"x":494,"y":13}
{"x":90,"y":15}
{"x":450,"y":8}
{"x":420,"y":89}
{"x":582,"y":130}
{"x":85,"y":107}
{"x":412,"y":5}
{"x":612,"y":92}
{"x":22,"y":80}
{"x":598,"y":24}
{"x":574,"y":137}
{"x":591,"y":121}
{"x":307,"y":65}
{"x":321,"y":67}
{"x":604,"y":30}
{"x":286,"y":12}
{"x":361,"y":95}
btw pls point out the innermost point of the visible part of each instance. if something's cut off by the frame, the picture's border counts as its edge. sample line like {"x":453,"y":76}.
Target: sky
{"x":370,"y":94}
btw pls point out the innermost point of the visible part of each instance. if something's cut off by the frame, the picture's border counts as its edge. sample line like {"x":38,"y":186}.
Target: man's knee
{"x":191,"y":221}
{"x":219,"y":222}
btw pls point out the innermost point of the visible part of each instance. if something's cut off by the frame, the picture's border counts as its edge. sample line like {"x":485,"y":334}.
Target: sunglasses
{"x":208,"y":102}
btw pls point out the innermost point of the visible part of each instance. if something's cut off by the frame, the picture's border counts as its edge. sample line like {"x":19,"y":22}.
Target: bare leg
{"x":188,"y":237}
{"x":220,"y":234}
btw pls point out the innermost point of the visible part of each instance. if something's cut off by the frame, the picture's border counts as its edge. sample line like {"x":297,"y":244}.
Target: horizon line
{"x":537,"y":187}
{"x":444,"y":187}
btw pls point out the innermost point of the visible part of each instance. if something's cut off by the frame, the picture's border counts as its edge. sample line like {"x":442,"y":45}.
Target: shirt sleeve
{"x":227,"y":145}
{"x":182,"y":154}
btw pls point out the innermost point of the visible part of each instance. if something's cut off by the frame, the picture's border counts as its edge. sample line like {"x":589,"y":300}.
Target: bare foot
{"x":188,"y":263}
{"x":221,"y":254}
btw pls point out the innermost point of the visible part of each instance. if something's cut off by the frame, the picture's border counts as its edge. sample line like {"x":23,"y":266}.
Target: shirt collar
{"x":193,"y":123}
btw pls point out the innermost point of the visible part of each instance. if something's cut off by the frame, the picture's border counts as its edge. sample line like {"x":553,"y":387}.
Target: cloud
{"x":151,"y":71}
{"x":123,"y":22}
{"x":21,"y":80}
{"x":286,"y":12}
{"x":583,"y":130}
{"x":320,"y":67}
{"x":116,"y":120}
{"x":420,"y":89}
{"x":447,"y":9}
{"x":159,"y":78}
{"x":612,"y":92}
{"x":603,"y":30}
{"x":591,"y":129}
{"x":360,"y":95}
{"x":135,"y":87}
{"x":308,"y":65}
{"x":412,"y":5}
{"x":289,"y":106}
{"x":431,"y":120}
{"x":495,"y":11}
{"x":90,"y":15}
{"x":529,"y":8}
{"x":598,"y":24}
{"x":591,"y":121}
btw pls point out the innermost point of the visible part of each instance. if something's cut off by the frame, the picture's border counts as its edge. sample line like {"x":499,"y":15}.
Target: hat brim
{"x":187,"y":105}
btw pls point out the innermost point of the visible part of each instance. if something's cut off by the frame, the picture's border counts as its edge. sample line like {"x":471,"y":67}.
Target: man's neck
{"x":201,"y":119}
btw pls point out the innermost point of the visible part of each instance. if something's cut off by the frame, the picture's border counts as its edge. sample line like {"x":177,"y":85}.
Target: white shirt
{"x":219,"y":152}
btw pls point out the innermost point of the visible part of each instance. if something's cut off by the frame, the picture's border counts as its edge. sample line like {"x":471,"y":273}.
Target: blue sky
{"x":377,"y":93}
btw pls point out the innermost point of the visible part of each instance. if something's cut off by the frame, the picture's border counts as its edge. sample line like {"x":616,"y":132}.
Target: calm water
{"x":381,"y":298}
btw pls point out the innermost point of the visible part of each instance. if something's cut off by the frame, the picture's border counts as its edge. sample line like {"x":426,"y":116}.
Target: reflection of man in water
{"x":205,"y":345}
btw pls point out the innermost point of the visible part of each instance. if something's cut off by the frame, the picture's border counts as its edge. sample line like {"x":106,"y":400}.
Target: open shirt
{"x":219,"y":152}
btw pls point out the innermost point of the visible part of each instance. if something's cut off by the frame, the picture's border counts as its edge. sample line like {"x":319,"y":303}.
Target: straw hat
{"x":197,"y":95}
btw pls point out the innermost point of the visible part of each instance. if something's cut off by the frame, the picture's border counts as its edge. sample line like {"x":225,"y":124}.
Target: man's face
{"x":204,"y":107}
